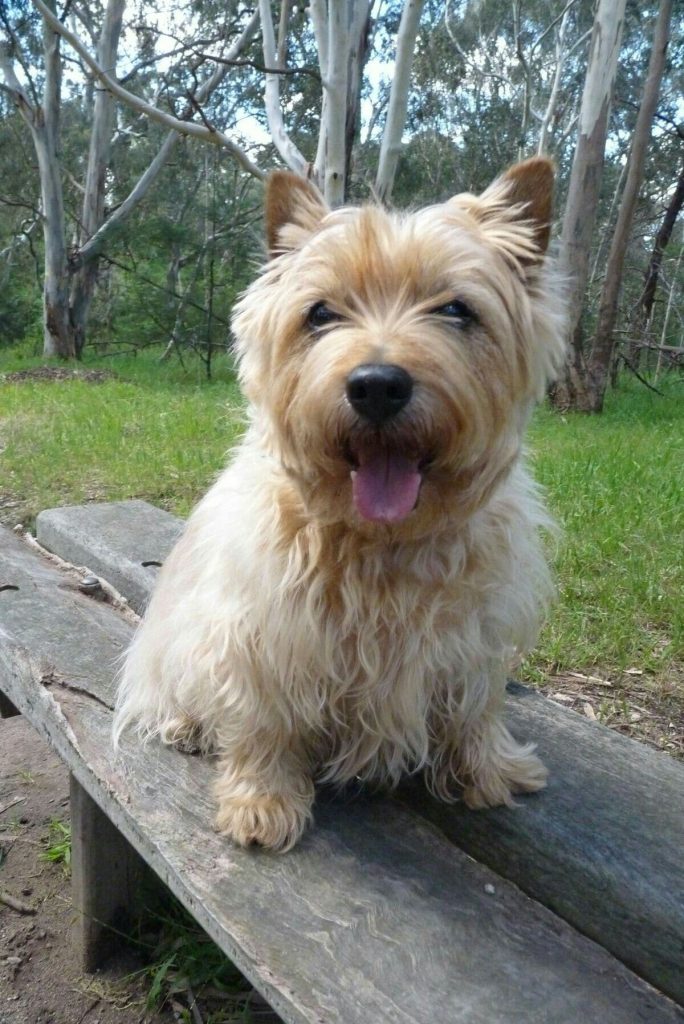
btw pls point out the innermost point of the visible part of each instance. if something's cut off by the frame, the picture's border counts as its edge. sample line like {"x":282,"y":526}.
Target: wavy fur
{"x":299,"y":641}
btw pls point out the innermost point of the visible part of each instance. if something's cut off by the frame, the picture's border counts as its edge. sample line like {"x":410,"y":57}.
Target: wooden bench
{"x":393,"y":909}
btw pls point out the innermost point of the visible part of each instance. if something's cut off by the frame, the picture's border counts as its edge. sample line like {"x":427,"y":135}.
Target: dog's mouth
{"x":386,"y":481}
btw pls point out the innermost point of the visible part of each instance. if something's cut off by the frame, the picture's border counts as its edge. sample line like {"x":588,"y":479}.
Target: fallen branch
{"x":14,"y":904}
{"x":12,"y":803}
{"x":638,"y":376}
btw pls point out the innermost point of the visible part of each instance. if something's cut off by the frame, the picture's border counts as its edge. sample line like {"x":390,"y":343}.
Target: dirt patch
{"x":58,"y":373}
{"x":627,"y":704}
{"x":40,"y":981}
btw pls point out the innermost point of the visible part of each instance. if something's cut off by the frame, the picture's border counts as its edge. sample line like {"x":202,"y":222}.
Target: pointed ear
{"x":530,"y":186}
{"x":290,"y":201}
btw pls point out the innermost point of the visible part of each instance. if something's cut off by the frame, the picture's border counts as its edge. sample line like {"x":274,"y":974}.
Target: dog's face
{"x":393,"y":358}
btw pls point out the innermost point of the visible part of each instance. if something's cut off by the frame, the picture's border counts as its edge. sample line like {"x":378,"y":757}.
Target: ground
{"x":40,"y":980}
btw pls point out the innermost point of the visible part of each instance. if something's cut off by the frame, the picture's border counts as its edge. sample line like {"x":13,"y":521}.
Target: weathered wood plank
{"x":106,"y":875}
{"x":375,"y":916}
{"x":602,"y":846}
{"x":114,"y":541}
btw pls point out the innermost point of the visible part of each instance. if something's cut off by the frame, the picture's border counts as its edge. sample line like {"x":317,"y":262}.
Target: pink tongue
{"x":385,"y":487}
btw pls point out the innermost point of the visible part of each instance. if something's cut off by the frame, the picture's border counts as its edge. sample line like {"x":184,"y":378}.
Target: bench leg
{"x":7,"y":708}
{"x":106,"y":874}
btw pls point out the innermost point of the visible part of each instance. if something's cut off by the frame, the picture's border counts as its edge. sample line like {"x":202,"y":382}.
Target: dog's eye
{"x":456,"y":310}
{"x":321,"y":315}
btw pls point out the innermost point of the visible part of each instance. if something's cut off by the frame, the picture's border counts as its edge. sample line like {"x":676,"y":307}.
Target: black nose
{"x":378,"y":391}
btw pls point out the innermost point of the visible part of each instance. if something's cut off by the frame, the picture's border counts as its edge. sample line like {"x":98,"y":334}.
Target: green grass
{"x":155,"y":431}
{"x":58,"y":848}
{"x":615,"y":483}
{"x":184,"y":964}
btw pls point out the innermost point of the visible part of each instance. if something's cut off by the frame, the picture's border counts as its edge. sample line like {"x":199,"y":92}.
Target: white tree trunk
{"x":561,"y":55}
{"x":332,"y":173}
{"x":396,"y":114}
{"x":92,"y":216}
{"x":282,"y":141}
{"x":57,"y":337}
{"x":583,"y":192}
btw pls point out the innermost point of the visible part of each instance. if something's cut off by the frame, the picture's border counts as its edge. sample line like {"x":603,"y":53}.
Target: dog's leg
{"x":265,"y":792}
{"x":477,"y":752}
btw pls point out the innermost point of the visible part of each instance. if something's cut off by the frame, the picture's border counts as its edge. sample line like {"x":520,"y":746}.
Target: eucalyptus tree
{"x":599,"y":361}
{"x":70,"y":265}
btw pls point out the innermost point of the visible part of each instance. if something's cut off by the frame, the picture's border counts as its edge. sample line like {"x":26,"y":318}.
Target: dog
{"x":347,"y":598}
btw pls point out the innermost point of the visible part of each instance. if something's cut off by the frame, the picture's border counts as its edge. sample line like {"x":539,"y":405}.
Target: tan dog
{"x":347,"y":597}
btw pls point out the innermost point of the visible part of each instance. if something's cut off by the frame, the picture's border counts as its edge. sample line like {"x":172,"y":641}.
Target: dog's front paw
{"x":497,"y":781}
{"x":276,"y":822}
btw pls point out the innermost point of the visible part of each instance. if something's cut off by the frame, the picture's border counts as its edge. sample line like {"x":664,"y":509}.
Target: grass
{"x":616,"y":484}
{"x":185,"y":967}
{"x":58,"y":849}
{"x":154,"y":431}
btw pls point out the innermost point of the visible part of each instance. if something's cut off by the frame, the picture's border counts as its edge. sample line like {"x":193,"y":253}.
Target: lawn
{"x":613,"y":647}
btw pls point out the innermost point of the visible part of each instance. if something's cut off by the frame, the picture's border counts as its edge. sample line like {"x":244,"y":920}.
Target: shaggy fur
{"x":310,"y":624}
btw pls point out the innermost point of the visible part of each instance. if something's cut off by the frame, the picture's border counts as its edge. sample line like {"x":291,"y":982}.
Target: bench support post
{"x":106,"y":874}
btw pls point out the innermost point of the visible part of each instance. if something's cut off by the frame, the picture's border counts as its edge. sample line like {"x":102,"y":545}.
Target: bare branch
{"x":93,"y":247}
{"x":13,"y":87}
{"x":190,"y":128}
{"x":283,"y":143}
{"x":17,"y":52}
{"x":312,"y":72}
{"x":542,"y":36}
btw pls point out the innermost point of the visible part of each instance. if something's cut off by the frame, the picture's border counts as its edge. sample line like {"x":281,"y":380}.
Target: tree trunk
{"x":332,"y":173}
{"x":583,"y":192}
{"x":645,"y":307}
{"x":93,"y":213}
{"x":358,"y":54}
{"x":602,"y":348}
{"x":57,"y":338}
{"x":398,"y":104}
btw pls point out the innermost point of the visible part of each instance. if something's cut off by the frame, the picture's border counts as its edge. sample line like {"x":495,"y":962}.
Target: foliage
{"x":58,"y":850}
{"x":185,"y":963}
{"x":482,"y":80}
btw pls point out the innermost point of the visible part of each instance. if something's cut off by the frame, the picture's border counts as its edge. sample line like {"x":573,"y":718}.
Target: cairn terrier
{"x":347,"y":598}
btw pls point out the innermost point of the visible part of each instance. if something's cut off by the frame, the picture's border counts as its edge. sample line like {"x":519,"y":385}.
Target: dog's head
{"x":393,"y":358}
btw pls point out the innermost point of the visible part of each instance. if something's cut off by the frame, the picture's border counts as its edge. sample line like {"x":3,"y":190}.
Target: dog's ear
{"x":530,"y":186}
{"x":293,"y":209}
{"x":523,"y":194}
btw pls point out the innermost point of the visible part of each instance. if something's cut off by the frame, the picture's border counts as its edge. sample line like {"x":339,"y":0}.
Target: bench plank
{"x":374,"y":916}
{"x":602,"y":846}
{"x":117,"y":540}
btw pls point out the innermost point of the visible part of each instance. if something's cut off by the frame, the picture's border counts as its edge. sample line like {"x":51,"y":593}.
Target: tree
{"x":598,"y":364}
{"x":69,"y":276}
{"x":662,"y":238}
{"x":584,"y":190}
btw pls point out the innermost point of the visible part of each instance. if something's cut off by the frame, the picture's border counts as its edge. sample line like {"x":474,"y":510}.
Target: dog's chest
{"x":376,"y":626}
